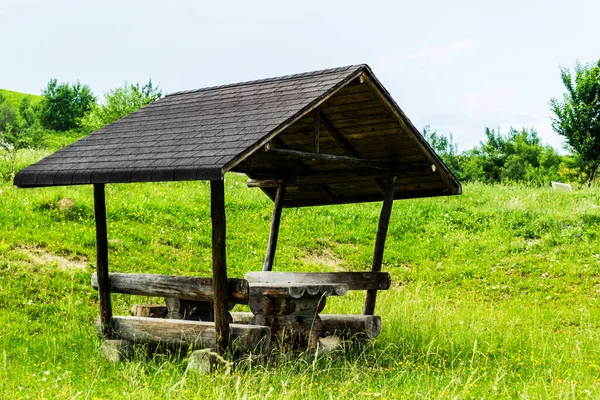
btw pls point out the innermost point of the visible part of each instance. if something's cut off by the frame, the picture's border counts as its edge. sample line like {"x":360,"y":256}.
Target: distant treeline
{"x":518,"y":156}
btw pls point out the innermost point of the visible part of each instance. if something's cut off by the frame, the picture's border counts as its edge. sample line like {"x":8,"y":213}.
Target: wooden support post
{"x":384,"y":221}
{"x":219,"y":264}
{"x":106,"y":319}
{"x":317,"y":126}
{"x":274,"y":233}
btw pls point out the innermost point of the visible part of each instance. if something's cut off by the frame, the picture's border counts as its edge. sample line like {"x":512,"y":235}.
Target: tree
{"x":578,"y":114}
{"x":445,"y":147}
{"x":120,"y":102}
{"x":14,"y":136}
{"x":518,"y":156}
{"x":64,"y":105}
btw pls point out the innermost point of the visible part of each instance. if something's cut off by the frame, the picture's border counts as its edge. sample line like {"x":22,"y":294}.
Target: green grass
{"x":496,"y":295}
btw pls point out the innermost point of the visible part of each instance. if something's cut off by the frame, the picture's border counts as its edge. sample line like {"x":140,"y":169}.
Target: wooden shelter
{"x":326,"y":137}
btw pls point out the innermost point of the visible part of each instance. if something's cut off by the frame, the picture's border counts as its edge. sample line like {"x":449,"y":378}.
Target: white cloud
{"x":439,"y":54}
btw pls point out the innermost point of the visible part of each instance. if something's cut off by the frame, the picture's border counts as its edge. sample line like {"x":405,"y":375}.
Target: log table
{"x":291,"y":311}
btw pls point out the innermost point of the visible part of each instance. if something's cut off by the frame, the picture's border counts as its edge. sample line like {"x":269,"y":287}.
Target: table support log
{"x":274,"y":233}
{"x":106,"y":319}
{"x":384,"y":221}
{"x":219,"y":264}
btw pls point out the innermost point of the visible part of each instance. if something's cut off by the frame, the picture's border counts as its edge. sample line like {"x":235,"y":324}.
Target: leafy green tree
{"x":578,"y":114}
{"x":14,"y":136}
{"x":120,"y":102}
{"x":28,"y":113}
{"x":518,"y":156}
{"x":64,"y":105}
{"x":445,"y":147}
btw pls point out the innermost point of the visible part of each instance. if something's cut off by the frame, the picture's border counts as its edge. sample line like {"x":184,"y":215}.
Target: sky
{"x":457,"y":66}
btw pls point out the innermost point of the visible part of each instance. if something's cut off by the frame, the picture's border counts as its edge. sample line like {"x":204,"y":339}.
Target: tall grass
{"x":495,"y":296}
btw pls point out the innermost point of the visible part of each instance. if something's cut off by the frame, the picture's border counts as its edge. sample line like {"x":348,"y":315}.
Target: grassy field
{"x":15,"y":98}
{"x":496,"y":292}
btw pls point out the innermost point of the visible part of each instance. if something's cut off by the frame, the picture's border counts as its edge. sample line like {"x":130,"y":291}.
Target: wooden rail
{"x":179,"y":287}
{"x":194,"y":334}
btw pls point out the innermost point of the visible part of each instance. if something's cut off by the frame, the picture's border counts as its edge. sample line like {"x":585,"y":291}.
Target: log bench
{"x":189,"y":320}
{"x":291,"y":311}
{"x":305,"y":296}
{"x":285,"y":309}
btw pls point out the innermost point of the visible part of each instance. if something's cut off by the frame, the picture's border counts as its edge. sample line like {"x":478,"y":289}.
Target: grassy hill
{"x":496,"y":292}
{"x":15,"y":98}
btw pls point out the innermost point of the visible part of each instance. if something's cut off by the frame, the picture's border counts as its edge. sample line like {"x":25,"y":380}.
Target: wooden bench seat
{"x":192,"y":334}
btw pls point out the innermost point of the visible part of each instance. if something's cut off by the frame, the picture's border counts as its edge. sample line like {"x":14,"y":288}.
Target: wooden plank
{"x":179,"y":287}
{"x":328,"y":158}
{"x":102,"y":262}
{"x":382,"y":228}
{"x":316,"y":128}
{"x":361,"y":105}
{"x":189,"y":334}
{"x":350,"y":327}
{"x":339,"y":99}
{"x":219,"y":264}
{"x":366,"y":198}
{"x":274,"y":232}
{"x":354,"y":280}
{"x":353,"y":113}
{"x":342,"y":177}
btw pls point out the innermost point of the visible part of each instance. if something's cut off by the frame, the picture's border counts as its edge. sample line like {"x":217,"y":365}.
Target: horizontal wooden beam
{"x":180,"y":287}
{"x":190,"y":334}
{"x":347,"y":326}
{"x":351,"y":326}
{"x":333,"y":178}
{"x":328,"y":158}
{"x":354,"y":280}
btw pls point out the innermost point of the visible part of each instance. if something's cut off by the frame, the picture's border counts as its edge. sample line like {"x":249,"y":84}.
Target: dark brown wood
{"x":326,"y":192}
{"x":191,"y":334}
{"x":149,"y":310}
{"x":316,"y":128}
{"x":354,"y":280}
{"x":102,"y":262}
{"x":329,"y":158}
{"x":274,"y":233}
{"x":419,"y":171}
{"x":192,"y":310}
{"x":351,"y":326}
{"x":180,"y":287}
{"x":219,"y":264}
{"x":382,"y":228}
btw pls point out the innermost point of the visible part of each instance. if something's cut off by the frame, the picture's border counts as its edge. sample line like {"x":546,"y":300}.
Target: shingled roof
{"x":201,"y":134}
